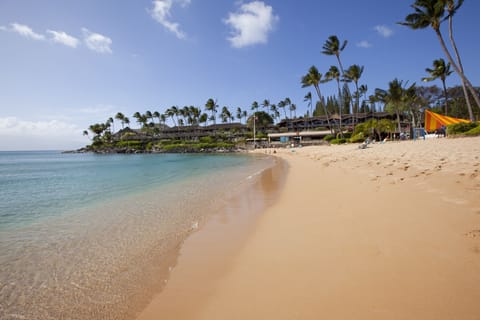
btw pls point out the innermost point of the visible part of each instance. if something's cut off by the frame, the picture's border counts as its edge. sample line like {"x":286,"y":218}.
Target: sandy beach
{"x":387,"y":232}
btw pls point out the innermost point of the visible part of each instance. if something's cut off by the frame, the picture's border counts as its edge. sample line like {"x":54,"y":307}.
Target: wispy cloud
{"x":26,"y":31}
{"x":384,"y":31}
{"x":97,"y":42}
{"x":24,"y":134}
{"x":251,"y":24}
{"x":94,"y":41}
{"x":161,"y":13}
{"x":364,"y":44}
{"x":63,"y":38}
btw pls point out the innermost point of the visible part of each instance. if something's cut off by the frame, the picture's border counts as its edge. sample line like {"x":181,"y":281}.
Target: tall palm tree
{"x":431,"y":13}
{"x":393,"y":98}
{"x":332,"y":47}
{"x":308,"y":98}
{"x":293,"y":108}
{"x":239,"y":114}
{"x":313,"y":78}
{"x":120,"y":117}
{"x":334,"y":73}
{"x":211,"y":105}
{"x":452,"y":8}
{"x":354,"y":74}
{"x":266,"y":104}
{"x":440,"y":71}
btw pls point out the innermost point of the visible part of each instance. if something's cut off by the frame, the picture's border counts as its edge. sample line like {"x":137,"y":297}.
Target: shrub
{"x":474,"y":132}
{"x":459,"y":128}
{"x":329,"y":137}
{"x":338,"y":141}
{"x":206,"y":140}
{"x":346,"y":135}
{"x":358,"y":138}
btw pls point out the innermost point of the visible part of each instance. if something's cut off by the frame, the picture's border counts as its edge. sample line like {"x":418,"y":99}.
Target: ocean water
{"x":85,"y":236}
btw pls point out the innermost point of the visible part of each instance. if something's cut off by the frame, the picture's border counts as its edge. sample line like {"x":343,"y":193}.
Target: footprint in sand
{"x":473,"y":234}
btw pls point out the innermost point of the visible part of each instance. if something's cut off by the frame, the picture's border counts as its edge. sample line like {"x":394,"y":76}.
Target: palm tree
{"x":110,"y":123}
{"x":393,"y":98}
{"x":275,"y":114}
{"x":120,"y":117}
{"x":293,"y":107}
{"x":171,"y":112}
{"x":225,"y":115}
{"x":266,"y":103}
{"x":332,"y":47}
{"x":212,"y":106}
{"x":245,"y":115}
{"x":281,"y":105}
{"x":440,"y":71}
{"x":239,"y":114}
{"x":334,"y":73}
{"x":313,"y":78}
{"x":354,"y":73}
{"x":452,"y":8}
{"x":362,"y":91}
{"x":431,"y":13}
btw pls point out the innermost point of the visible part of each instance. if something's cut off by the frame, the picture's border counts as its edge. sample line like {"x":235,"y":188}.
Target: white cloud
{"x":97,"y":42}
{"x":252,"y":24}
{"x":384,"y":31}
{"x":63,"y":38}
{"x":34,"y":135}
{"x":3,"y":28}
{"x":161,"y":13}
{"x":26,"y":31}
{"x":364,"y":44}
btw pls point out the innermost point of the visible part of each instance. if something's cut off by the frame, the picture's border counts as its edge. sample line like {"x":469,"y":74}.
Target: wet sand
{"x":387,"y":232}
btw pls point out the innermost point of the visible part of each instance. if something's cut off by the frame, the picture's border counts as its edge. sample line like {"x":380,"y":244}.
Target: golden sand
{"x":387,"y":232}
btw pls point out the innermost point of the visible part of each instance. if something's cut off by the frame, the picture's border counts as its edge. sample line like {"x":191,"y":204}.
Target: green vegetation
{"x":474,"y":132}
{"x":462,"y":128}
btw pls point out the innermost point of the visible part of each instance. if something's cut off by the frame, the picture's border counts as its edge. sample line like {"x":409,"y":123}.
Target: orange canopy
{"x":434,"y":121}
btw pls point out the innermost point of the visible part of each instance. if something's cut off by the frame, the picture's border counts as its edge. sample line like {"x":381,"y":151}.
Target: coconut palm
{"x":120,"y":117}
{"x":308,"y":98}
{"x":332,"y":47}
{"x":440,"y":71}
{"x":211,"y":105}
{"x":393,"y":98}
{"x":354,"y":74}
{"x":334,"y":73}
{"x":452,"y":8}
{"x":266,"y":104}
{"x":313,"y":78}
{"x":239,"y":114}
{"x":431,"y":13}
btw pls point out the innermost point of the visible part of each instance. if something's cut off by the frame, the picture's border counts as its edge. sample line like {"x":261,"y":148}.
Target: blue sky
{"x":68,"y":64}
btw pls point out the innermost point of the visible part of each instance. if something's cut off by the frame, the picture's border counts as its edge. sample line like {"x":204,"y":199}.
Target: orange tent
{"x":434,"y":121}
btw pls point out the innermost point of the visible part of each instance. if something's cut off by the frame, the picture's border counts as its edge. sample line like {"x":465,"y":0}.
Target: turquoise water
{"x":39,"y":184}
{"x":85,"y":236}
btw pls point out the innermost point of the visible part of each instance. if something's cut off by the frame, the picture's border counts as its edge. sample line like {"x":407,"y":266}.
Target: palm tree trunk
{"x":324,"y":108}
{"x":457,"y":55}
{"x":340,"y":106}
{"x":462,"y":76}
{"x":446,"y":96}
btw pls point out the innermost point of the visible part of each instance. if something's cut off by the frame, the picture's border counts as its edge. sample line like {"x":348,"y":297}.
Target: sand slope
{"x":388,"y":232}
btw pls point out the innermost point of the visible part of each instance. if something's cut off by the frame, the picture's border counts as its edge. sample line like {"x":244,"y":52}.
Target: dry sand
{"x":387,"y":232}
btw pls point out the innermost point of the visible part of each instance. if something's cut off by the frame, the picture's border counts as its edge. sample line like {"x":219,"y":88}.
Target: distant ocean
{"x":83,"y":235}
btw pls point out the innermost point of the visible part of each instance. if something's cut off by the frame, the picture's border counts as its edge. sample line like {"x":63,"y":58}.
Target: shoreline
{"x":391,"y":231}
{"x":210,"y":250}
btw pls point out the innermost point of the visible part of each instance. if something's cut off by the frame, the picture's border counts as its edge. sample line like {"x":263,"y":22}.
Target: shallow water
{"x":93,"y":237}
